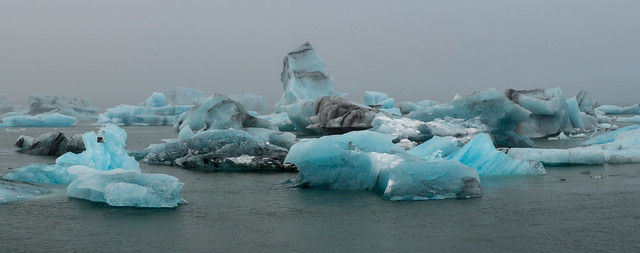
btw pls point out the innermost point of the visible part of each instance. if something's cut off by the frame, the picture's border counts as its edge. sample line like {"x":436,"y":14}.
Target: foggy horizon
{"x":119,"y":52}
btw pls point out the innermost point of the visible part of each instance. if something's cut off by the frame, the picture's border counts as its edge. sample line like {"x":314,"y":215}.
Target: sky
{"x":119,"y":52}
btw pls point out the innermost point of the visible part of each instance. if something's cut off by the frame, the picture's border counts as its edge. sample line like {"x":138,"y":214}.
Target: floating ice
{"x":580,"y":119}
{"x":103,"y":151}
{"x":40,"y":120}
{"x":614,"y":109}
{"x":183,"y":96}
{"x":609,"y":136}
{"x":219,"y":112}
{"x":549,"y":111}
{"x":52,"y":143}
{"x":120,"y":187}
{"x":281,"y":120}
{"x":251,"y":102}
{"x":81,"y":109}
{"x":375,"y":98}
{"x":153,"y":112}
{"x":624,"y":149}
{"x":337,"y":115}
{"x":15,"y":191}
{"x":633,"y":119}
{"x":224,"y":150}
{"x":368,"y":160}
{"x":490,"y":107}
{"x":303,"y":77}
{"x":437,"y":148}
{"x":407,"y":107}
{"x":420,"y":131}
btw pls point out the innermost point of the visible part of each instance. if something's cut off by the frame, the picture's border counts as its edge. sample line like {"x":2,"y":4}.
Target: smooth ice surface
{"x":480,"y":154}
{"x":614,"y":109}
{"x":437,"y":148}
{"x":15,"y":191}
{"x":303,"y":77}
{"x":105,"y":154}
{"x":219,"y":112}
{"x":491,"y":107}
{"x":251,"y":101}
{"x":156,"y":100}
{"x":375,"y":98}
{"x":365,"y":160}
{"x":79,"y":108}
{"x":120,"y":187}
{"x":624,"y":149}
{"x":40,"y":120}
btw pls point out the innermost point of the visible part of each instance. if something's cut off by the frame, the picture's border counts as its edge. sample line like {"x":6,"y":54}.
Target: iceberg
{"x":15,"y":191}
{"x":183,"y":96}
{"x":251,"y":102}
{"x":407,"y":107}
{"x":103,"y":151}
{"x":280,"y":120}
{"x":378,"y":99}
{"x":219,"y":112}
{"x":419,"y":131}
{"x":303,"y":77}
{"x":51,"y":143}
{"x":40,"y":120}
{"x":224,"y":150}
{"x":492,"y":108}
{"x":609,"y":136}
{"x":81,"y":109}
{"x":365,"y":160}
{"x":120,"y":187}
{"x":614,"y":109}
{"x":586,"y":103}
{"x":153,"y":112}
{"x":578,"y":118}
{"x":634,"y":119}
{"x":625,"y":148}
{"x":549,"y":111}
{"x":337,"y":115}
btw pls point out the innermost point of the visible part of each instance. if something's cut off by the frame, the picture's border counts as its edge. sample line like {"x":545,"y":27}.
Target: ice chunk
{"x":407,"y":107}
{"x":480,"y":154}
{"x":120,"y":187}
{"x":156,"y":100}
{"x":625,"y":149}
{"x":614,"y":109}
{"x":40,"y":120}
{"x":15,"y":191}
{"x":52,"y":143}
{"x":103,"y":151}
{"x":183,"y":96}
{"x":549,"y":111}
{"x":609,"y":136}
{"x":375,"y":98}
{"x":633,"y":119}
{"x":337,"y":115}
{"x":303,"y":77}
{"x":185,"y":133}
{"x":368,"y":160}
{"x":220,"y":150}
{"x":251,"y":102}
{"x":219,"y":112}
{"x":143,"y":115}
{"x":419,"y":131}
{"x":586,"y":103}
{"x":579,"y":119}
{"x":491,"y":107}
{"x":437,"y":148}
{"x":81,"y":109}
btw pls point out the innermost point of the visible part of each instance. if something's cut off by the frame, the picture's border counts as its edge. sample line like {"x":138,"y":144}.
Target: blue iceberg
{"x":40,"y":120}
{"x":614,"y":109}
{"x":103,"y":151}
{"x":365,"y":160}
{"x":378,"y":99}
{"x":219,"y":112}
{"x":120,"y":187}
{"x":549,"y":111}
{"x":153,"y":112}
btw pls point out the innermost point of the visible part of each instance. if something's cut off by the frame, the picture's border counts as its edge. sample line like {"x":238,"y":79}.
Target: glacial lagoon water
{"x":571,"y":209}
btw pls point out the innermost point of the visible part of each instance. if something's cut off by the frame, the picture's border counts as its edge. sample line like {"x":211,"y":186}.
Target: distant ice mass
{"x":219,"y":112}
{"x":633,"y":119}
{"x":51,"y":143}
{"x":119,"y":187}
{"x":159,"y":109}
{"x":365,"y":160}
{"x":378,"y":99}
{"x":251,"y":102}
{"x":40,"y":120}
{"x":15,"y":191}
{"x":614,"y":109}
{"x":619,"y":146}
{"x":79,"y":108}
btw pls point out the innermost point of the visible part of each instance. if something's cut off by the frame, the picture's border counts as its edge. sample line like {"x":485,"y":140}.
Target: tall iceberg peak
{"x":303,"y":77}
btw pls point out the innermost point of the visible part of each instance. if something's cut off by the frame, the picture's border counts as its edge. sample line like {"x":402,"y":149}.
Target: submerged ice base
{"x":15,"y":191}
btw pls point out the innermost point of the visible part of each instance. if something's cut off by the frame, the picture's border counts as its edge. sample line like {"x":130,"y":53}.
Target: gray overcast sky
{"x":114,"y":52}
